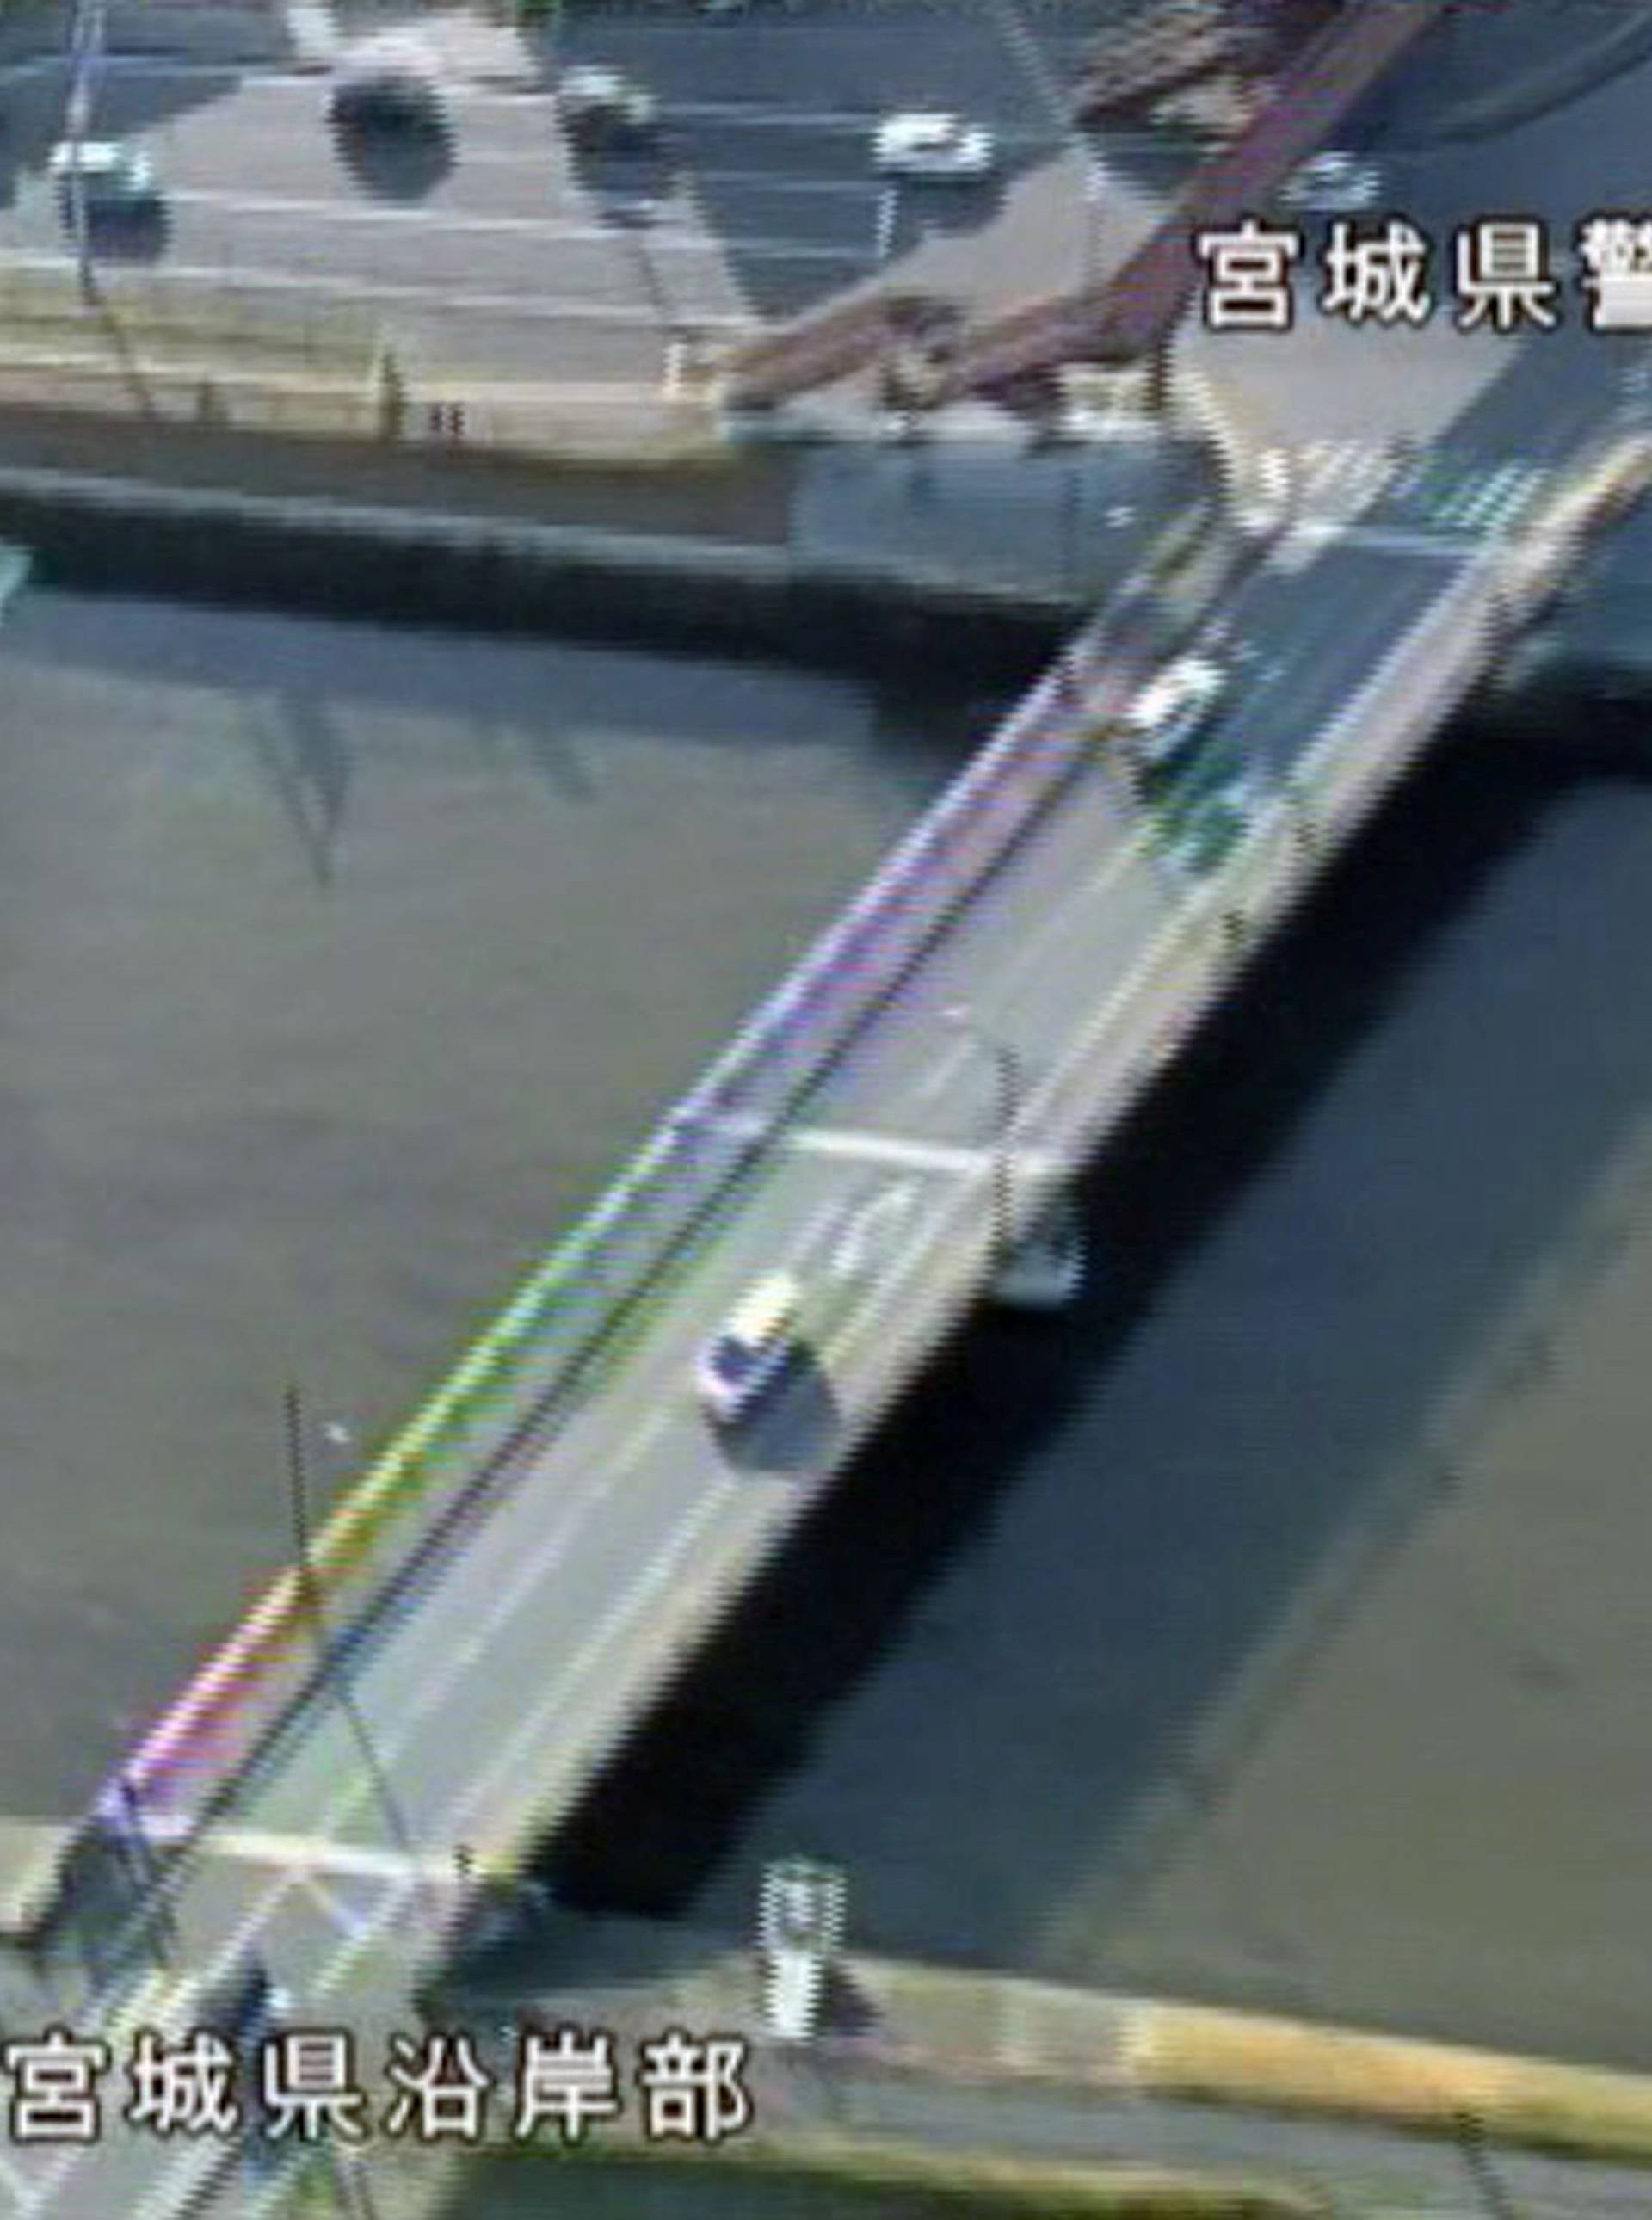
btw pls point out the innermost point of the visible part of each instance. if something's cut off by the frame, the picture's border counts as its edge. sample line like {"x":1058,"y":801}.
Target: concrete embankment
{"x":964,"y":2025}
{"x":950,"y":2024}
{"x":817,"y":2115}
{"x":823,"y":2177}
{"x":487,"y":570}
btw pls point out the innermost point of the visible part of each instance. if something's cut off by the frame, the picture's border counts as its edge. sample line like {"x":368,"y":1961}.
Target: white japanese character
{"x":563,"y":2081}
{"x":694,"y":2091}
{"x":184,"y":2089}
{"x":1607,"y":246}
{"x":1249,"y":286}
{"x":442,"y":2089}
{"x":1503,"y":275}
{"x":1616,"y":256}
{"x":307,"y":2081}
{"x":1381,"y":279}
{"x":55,"y":2100}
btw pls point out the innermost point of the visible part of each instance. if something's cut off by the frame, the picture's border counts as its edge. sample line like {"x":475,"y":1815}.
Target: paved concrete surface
{"x":1565,"y":148}
{"x":510,"y":256}
{"x":600,"y":239}
{"x":1442,"y":2189}
{"x":1071,"y":522}
{"x":510,"y":261}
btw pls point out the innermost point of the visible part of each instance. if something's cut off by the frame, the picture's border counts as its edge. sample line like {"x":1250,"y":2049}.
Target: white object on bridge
{"x":1170,"y":715}
{"x":1335,"y":182}
{"x":296,"y":1856}
{"x":888,"y":210}
{"x":15,"y":563}
{"x":914,"y":1156}
{"x":755,"y":1343}
{"x":929,"y":144}
{"x":893,"y":1149}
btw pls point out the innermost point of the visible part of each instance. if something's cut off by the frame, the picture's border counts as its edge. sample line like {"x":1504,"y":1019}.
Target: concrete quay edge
{"x":1156,"y":2048}
{"x":499,"y":573}
{"x":966,"y":2027}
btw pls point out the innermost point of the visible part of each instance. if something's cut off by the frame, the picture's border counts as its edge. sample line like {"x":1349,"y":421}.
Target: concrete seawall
{"x":897,"y":2025}
{"x":107,"y":534}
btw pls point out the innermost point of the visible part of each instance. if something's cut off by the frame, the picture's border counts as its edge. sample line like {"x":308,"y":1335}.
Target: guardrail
{"x":514,"y":1381}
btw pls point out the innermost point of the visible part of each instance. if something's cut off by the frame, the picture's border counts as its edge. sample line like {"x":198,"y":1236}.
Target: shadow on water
{"x":670,"y":1805}
{"x":307,"y":760}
